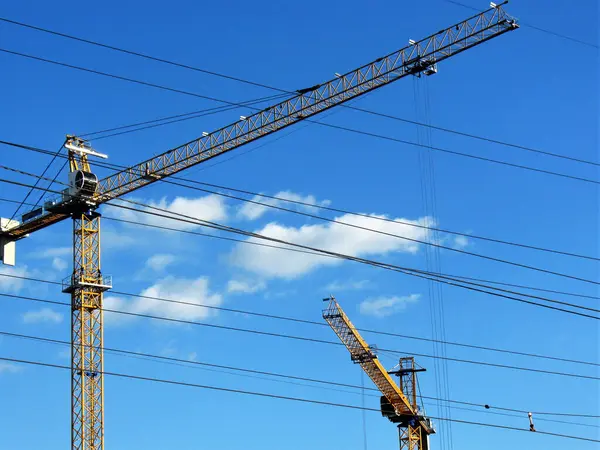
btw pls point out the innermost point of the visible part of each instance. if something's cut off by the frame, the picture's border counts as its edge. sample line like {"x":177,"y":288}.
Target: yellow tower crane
{"x":398,"y":403}
{"x":86,"y":193}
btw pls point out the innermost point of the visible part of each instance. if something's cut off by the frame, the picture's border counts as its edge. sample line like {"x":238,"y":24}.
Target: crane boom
{"x":361,"y":353}
{"x":418,"y":57}
{"x":414,"y":427}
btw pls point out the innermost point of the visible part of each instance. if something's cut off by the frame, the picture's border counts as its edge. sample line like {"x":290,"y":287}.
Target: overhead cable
{"x":188,"y":362}
{"x":318,"y":206}
{"x":365,"y":133}
{"x":309,"y":339}
{"x":320,"y":324}
{"x":283,"y":397}
{"x":270,"y":87}
{"x":471,"y":286}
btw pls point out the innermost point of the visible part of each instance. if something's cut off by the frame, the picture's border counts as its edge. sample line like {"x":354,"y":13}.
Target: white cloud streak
{"x":194,"y":291}
{"x":6,"y":367}
{"x":349,"y":285}
{"x":44,"y":315}
{"x":332,"y":237}
{"x":386,"y":306}
{"x":12,"y":285}
{"x":252,"y":211}
{"x":160,"y":261}
{"x":245,"y":287}
{"x":210,"y":207}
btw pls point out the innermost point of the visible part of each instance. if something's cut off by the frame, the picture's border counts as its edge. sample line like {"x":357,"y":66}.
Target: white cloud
{"x":386,"y":306}
{"x":211,"y":207}
{"x":6,"y":367}
{"x":8,"y":284}
{"x":159,"y":261}
{"x":59,"y":264}
{"x":42,"y":315}
{"x":252,"y":211}
{"x":333,"y":237}
{"x":192,"y":356}
{"x":460,"y":242}
{"x":350,"y":285}
{"x":245,"y":287}
{"x":193,"y":291}
{"x":53,"y":252}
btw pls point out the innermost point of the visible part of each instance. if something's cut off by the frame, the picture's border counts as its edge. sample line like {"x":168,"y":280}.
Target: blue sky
{"x":526,"y":87}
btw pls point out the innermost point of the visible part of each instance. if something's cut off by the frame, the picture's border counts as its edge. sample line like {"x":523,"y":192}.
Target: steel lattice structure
{"x":397,"y":404}
{"x":86,"y":194}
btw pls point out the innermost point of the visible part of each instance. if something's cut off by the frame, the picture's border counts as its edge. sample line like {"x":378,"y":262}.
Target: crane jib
{"x":418,"y":57}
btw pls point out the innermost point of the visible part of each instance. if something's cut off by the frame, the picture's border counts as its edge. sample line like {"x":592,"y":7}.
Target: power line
{"x":320,"y":324}
{"x":240,"y":231}
{"x":460,"y":277}
{"x":452,"y":152}
{"x":283,"y":397}
{"x":122,"y":78}
{"x":543,"y":30}
{"x":273,"y":88}
{"x":190,"y":219}
{"x":188,"y":363}
{"x":250,"y":234}
{"x":323,"y":207}
{"x":138,"y":54}
{"x":474,"y":136}
{"x":353,"y":213}
{"x":407,"y":271}
{"x":310,"y":339}
{"x":365,"y":133}
{"x":400,"y":222}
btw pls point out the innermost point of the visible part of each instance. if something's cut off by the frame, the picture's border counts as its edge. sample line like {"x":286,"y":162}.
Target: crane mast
{"x":86,"y":194}
{"x":398,"y":403}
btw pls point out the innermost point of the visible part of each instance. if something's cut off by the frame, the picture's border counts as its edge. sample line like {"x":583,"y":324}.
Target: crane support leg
{"x":86,"y":287}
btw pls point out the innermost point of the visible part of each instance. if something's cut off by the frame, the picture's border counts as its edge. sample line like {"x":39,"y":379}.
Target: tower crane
{"x":398,"y":403}
{"x":85,"y":194}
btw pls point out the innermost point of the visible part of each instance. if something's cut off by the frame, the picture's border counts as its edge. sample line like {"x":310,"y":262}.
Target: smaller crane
{"x":398,"y":402}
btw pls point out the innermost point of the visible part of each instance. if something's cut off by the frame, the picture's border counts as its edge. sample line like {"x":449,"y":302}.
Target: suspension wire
{"x":184,"y":116}
{"x":307,"y":339}
{"x":430,"y":194}
{"x":433,"y":319}
{"x":54,"y":156}
{"x":282,"y":397}
{"x":210,"y":112}
{"x":407,"y":271}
